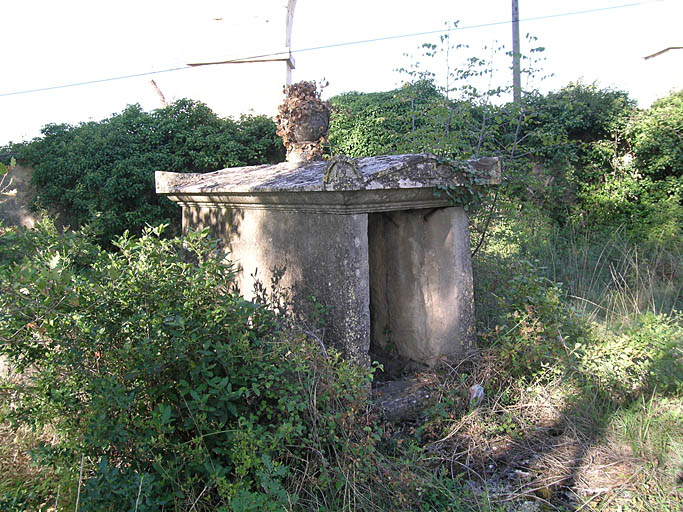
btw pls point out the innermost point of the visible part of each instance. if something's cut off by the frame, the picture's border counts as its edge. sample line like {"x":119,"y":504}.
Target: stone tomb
{"x":370,"y":238}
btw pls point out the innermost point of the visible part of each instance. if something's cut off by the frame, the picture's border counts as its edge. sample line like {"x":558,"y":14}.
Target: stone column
{"x":422,"y":305}
{"x":325,"y":256}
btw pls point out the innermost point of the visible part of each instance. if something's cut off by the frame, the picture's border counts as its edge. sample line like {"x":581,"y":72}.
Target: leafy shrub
{"x":579,"y":112}
{"x":646,"y":190}
{"x":651,"y":210}
{"x":102,"y":173}
{"x":76,"y":246}
{"x":638,"y":360}
{"x":655,"y":138}
{"x":174,"y":392}
{"x":417,"y":118}
{"x":572,"y":136}
{"x":367,"y":124}
{"x":551,"y":145}
{"x":539,"y":336}
{"x":625,"y":165}
{"x":537,"y":327}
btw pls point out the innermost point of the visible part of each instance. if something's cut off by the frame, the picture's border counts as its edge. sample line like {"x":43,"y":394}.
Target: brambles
{"x":175,"y":392}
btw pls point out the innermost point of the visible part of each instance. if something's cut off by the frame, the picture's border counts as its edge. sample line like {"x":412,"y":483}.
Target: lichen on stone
{"x":342,"y":173}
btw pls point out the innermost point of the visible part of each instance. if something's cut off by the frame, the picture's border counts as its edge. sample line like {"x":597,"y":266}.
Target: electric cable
{"x":323,"y":47}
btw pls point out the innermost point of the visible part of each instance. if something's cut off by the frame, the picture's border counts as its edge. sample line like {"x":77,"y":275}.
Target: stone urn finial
{"x":302,"y":121}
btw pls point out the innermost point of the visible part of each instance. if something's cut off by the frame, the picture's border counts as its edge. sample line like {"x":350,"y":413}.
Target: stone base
{"x":403,"y":400}
{"x":367,"y":237}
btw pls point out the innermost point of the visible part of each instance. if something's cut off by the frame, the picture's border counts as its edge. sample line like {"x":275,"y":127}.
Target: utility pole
{"x":516,"y":56}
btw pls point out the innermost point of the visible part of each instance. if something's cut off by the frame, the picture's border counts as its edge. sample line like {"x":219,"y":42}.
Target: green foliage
{"x":613,"y":327}
{"x":651,"y":209}
{"x":75,"y":246}
{"x":578,"y":113}
{"x":531,"y":336}
{"x":638,"y":360}
{"x":654,"y":429}
{"x":4,"y":181}
{"x":102,"y":173}
{"x":573,"y":138}
{"x":636,"y":178}
{"x":581,"y":152}
{"x":175,"y":395}
{"x":608,"y":162}
{"x":366,"y":124}
{"x":6,"y":167}
{"x":415,"y":118}
{"x":655,"y":138}
{"x":172,"y":389}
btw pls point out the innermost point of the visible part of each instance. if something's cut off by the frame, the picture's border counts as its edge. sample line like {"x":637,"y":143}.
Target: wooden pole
{"x":516,"y":56}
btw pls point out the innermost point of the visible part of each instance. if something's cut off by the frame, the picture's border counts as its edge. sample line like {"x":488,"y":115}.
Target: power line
{"x":325,"y":47}
{"x":89,"y":82}
{"x":481,"y":25}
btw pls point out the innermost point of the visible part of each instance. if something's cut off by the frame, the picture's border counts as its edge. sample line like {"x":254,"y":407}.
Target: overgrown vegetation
{"x":581,"y":152}
{"x":5,"y":183}
{"x":102,"y":173}
{"x":168,"y":390}
{"x":578,"y":283}
{"x":148,"y":384}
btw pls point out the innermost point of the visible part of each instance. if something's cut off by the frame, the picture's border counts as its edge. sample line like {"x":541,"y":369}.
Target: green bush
{"x":552,"y":145}
{"x":572,"y":136}
{"x":76,"y":246}
{"x":415,"y":118}
{"x":655,"y":138}
{"x":580,"y":153}
{"x":579,"y":113}
{"x":171,"y":390}
{"x":642,"y":182}
{"x":102,"y":173}
{"x":651,"y":210}
{"x":540,"y":337}
{"x":536,"y":327}
{"x":392,"y":122}
{"x":638,"y":360}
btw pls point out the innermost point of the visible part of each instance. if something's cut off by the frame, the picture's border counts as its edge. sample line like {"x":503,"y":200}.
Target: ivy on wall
{"x":581,"y":151}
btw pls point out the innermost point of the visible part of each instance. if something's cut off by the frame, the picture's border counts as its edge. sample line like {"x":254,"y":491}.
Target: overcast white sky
{"x":48,"y":43}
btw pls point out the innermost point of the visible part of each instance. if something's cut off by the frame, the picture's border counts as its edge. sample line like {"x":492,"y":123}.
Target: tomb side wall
{"x":323,"y":256}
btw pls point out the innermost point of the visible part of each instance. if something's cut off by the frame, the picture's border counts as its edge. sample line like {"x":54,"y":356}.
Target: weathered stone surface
{"x":403,"y":275}
{"x":384,"y":183}
{"x":324,"y":256}
{"x":342,"y":173}
{"x":313,"y":127}
{"x":387,"y":173}
{"x":422,"y":305}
